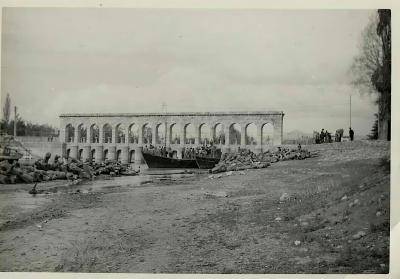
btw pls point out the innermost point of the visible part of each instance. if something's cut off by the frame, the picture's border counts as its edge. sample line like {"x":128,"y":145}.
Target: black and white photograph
{"x":195,"y":140}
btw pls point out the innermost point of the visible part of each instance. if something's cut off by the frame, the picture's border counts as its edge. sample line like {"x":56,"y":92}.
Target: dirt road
{"x":325,"y":214}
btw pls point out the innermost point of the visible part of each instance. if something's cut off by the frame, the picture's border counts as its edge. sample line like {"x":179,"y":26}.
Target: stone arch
{"x":267,"y":134}
{"x":105,"y":154}
{"x":189,"y":134}
{"x":174,"y":137}
{"x":147,"y":133}
{"x":118,"y":155}
{"x":69,"y":133}
{"x":205,"y":135}
{"x":120,"y":134}
{"x":133,"y":133}
{"x":251,"y":134}
{"x":218,"y":134}
{"x":160,"y":133}
{"x":234,"y":134}
{"x":92,"y":155}
{"x":107,"y":133}
{"x":80,"y":153}
{"x":94,"y":134}
{"x":82,"y":133}
{"x":132,"y":156}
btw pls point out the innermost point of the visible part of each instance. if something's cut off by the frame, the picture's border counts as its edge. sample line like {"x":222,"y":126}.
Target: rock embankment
{"x":246,"y":159}
{"x":71,"y":169}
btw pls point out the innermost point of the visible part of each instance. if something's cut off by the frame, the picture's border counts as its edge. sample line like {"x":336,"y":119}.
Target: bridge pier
{"x":138,"y":155}
{"x":98,"y":154}
{"x":124,"y":154}
{"x":85,"y":153}
{"x":73,"y":153}
{"x":112,"y":152}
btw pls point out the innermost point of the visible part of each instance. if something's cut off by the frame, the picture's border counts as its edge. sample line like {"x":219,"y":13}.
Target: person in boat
{"x":213,"y":151}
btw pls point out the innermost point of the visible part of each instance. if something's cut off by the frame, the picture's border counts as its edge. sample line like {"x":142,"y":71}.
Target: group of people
{"x":207,"y":150}
{"x":325,"y":137}
{"x":159,"y":151}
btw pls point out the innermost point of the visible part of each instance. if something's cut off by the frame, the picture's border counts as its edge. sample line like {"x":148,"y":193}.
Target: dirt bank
{"x":324,"y":214}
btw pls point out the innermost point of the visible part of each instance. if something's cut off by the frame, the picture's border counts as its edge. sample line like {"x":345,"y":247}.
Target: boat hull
{"x":154,"y":161}
{"x":206,"y":163}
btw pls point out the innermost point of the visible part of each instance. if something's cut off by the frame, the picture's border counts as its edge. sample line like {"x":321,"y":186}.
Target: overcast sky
{"x":66,"y":60}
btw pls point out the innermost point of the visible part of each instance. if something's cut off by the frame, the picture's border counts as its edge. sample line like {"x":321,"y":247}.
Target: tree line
{"x":24,"y":128}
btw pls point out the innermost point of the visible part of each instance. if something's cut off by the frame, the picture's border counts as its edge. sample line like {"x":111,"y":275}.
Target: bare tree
{"x":371,"y":69}
{"x":369,"y":59}
{"x":7,"y":109}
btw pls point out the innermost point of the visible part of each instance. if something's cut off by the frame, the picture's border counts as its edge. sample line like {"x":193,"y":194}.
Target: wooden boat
{"x":206,"y":162}
{"x":156,"y":161}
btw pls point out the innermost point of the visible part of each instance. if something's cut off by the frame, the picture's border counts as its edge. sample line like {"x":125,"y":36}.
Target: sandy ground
{"x":333,"y":218}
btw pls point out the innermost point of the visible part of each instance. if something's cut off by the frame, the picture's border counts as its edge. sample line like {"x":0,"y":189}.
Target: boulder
{"x":5,"y":167}
{"x":27,"y":178}
{"x":284,"y":197}
{"x":359,"y":235}
{"x":4,"y":179}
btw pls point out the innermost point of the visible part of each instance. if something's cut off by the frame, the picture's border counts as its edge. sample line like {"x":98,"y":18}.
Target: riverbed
{"x":189,"y":222}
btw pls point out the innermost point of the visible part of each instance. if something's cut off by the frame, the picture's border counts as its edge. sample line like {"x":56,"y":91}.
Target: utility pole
{"x":350,"y":110}
{"x":15,"y":122}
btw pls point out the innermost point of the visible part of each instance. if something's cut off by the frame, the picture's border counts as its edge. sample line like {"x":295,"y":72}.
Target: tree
{"x":374,"y":131}
{"x":371,"y":69}
{"x":382,"y":75}
{"x":7,"y":109}
{"x":369,"y":59}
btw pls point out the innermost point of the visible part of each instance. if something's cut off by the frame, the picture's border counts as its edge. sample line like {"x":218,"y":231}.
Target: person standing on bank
{"x":351,"y":134}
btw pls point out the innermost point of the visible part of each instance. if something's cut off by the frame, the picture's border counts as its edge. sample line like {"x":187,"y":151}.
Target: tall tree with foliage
{"x":371,"y":69}
{"x":7,"y":109}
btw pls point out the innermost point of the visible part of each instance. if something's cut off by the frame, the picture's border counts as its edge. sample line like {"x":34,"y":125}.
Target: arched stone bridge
{"x":122,"y":136}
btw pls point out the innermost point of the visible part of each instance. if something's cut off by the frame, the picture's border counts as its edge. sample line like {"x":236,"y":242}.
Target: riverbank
{"x":324,"y":214}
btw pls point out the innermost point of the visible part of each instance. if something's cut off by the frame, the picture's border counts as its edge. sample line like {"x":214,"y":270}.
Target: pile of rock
{"x":284,"y":154}
{"x":71,"y":169}
{"x":246,"y":159}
